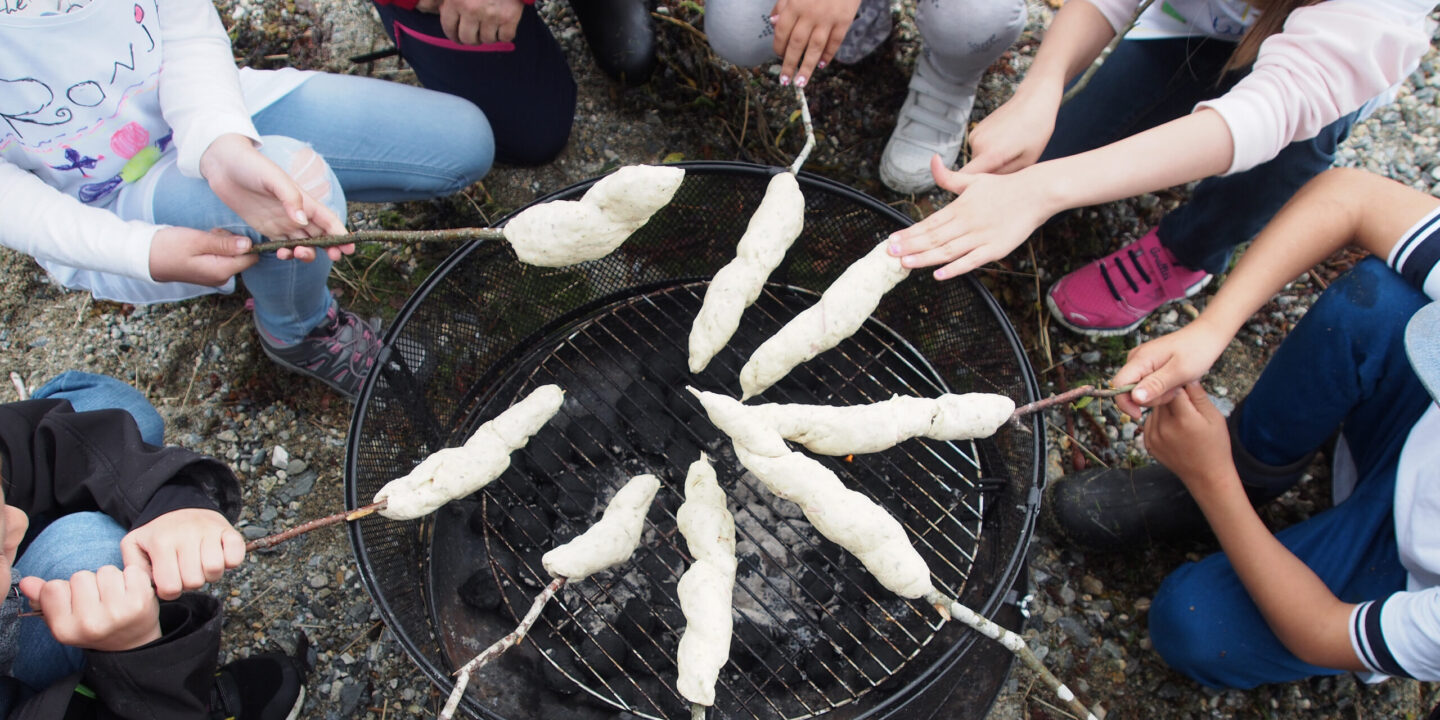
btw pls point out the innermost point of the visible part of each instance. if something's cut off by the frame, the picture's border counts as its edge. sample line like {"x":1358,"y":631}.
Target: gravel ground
{"x":285,"y":437}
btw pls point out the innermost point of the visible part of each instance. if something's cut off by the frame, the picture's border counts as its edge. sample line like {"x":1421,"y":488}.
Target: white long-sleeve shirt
{"x":1330,"y":59}
{"x":90,"y":100}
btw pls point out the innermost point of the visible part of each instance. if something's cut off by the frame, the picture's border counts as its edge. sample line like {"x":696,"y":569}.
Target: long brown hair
{"x":1273,"y":14}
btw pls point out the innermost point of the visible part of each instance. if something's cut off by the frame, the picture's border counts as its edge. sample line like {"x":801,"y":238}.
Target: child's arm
{"x":808,"y":33}
{"x":1189,"y":437}
{"x":1331,"y":58}
{"x":1337,"y":208}
{"x":1015,"y":134}
{"x":200,"y":98}
{"x":109,"y":610}
{"x":183,"y":549}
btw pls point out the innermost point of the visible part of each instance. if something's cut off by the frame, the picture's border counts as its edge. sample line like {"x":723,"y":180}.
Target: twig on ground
{"x":1014,"y":643}
{"x":462,"y":678}
{"x":19,"y":384}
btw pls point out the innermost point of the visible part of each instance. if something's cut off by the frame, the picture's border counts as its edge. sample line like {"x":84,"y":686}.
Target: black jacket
{"x":56,"y":461}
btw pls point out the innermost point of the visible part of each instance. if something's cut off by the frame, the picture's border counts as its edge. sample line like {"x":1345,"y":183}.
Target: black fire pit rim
{"x":917,"y":684}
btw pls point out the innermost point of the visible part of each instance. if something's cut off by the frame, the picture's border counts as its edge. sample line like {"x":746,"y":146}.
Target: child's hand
{"x":477,"y":22}
{"x":183,"y":549}
{"x":808,"y":33}
{"x":1163,"y":365}
{"x":108,"y":610}
{"x":268,"y":198}
{"x":1012,"y":137}
{"x":179,"y":254}
{"x":1188,"y":436}
{"x":991,"y":217}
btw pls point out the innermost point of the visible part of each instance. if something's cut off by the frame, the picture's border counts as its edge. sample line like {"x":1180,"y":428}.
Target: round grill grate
{"x":814,"y":633}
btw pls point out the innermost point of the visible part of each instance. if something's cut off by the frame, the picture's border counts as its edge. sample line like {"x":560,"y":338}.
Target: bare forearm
{"x":1188,"y":148}
{"x":1074,"y":39}
{"x":1340,"y":207}
{"x":1304,"y":614}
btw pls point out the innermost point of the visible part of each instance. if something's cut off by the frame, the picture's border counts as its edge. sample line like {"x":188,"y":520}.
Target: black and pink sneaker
{"x":339,"y":352}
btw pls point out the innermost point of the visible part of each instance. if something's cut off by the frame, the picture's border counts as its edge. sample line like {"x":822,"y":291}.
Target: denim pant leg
{"x":75,"y":542}
{"x":385,"y":141}
{"x":1343,"y":364}
{"x":87,"y":391}
{"x":1144,"y":83}
{"x":1227,"y":210}
{"x":291,"y":297}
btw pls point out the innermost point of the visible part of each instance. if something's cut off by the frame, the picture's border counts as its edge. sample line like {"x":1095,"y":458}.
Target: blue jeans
{"x":383,"y":142}
{"x":1344,"y":366}
{"x":87,"y":391}
{"x":1145,"y":83}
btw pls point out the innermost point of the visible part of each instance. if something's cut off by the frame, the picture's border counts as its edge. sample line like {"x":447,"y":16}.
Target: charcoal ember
{"x":575,"y":497}
{"x":660,"y":568}
{"x":822,"y":664}
{"x":635,"y":622}
{"x":488,"y":515}
{"x":781,"y":666}
{"x":845,"y":627}
{"x":590,"y":437}
{"x":663,"y":508}
{"x":529,"y":526}
{"x":481,"y":591}
{"x":818,"y":588}
{"x":749,"y":643}
{"x":870,"y":667}
{"x":531,"y":569}
{"x":547,"y":452}
{"x":637,"y":404}
{"x":702,"y":430}
{"x":557,"y":675}
{"x":603,"y":651}
{"x":680,"y":454}
{"x":669,"y":620}
{"x":565,"y":529}
{"x":747,"y":564}
{"x":547,"y":492}
{"x":651,"y":433}
{"x":857,"y":584}
{"x":518,"y":483}
{"x":682,"y":403}
{"x":515,"y":601}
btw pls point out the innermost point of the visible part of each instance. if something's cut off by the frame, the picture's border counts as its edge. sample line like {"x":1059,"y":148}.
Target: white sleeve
{"x":1330,"y":59}
{"x":1417,"y":256}
{"x":1117,"y":12}
{"x":199,"y":85}
{"x":44,"y":223}
{"x":1399,"y":635}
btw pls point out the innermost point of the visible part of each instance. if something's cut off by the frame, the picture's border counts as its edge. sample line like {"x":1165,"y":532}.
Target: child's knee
{"x":471,"y":141}
{"x":1371,"y":299}
{"x":971,"y":28}
{"x":72,"y":543}
{"x":1181,"y":632}
{"x":307,"y":169}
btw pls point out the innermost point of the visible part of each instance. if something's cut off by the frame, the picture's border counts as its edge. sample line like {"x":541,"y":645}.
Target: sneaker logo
{"x":1160,"y":263}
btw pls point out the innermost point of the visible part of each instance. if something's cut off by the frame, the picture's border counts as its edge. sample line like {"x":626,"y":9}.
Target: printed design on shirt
{"x":10,"y":7}
{"x":131,"y":142}
{"x":30,"y":102}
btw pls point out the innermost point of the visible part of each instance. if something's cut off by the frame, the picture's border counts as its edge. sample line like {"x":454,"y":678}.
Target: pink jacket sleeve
{"x":1330,"y":59}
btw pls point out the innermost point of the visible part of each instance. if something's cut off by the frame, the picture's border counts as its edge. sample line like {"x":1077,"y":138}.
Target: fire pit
{"x":814,"y":636}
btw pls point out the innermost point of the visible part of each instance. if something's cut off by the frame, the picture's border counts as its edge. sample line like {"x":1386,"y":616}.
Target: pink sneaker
{"x":1113,"y":295}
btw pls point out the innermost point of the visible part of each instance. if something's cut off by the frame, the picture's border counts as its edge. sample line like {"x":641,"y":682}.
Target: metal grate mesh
{"x":486,"y":329}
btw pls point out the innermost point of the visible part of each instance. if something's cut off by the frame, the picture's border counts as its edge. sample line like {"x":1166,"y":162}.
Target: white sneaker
{"x":931,"y":122}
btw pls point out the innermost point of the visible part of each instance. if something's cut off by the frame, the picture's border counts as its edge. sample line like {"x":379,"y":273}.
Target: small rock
{"x":1091,"y":585}
{"x":1090,"y":357}
{"x":228,"y":436}
{"x":279,"y":457}
{"x":318,"y":580}
{"x":296,"y":466}
{"x":1067,"y":595}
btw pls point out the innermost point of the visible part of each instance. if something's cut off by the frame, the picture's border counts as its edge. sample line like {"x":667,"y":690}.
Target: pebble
{"x":279,"y":457}
{"x":1091,"y":585}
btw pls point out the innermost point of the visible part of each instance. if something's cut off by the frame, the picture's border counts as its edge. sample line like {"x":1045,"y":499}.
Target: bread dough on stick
{"x":612,"y":539}
{"x":841,"y":311}
{"x":456,"y":472}
{"x":567,"y":232}
{"x":859,"y":429}
{"x":706,"y":588}
{"x":845,"y":517}
{"x":772,"y":229}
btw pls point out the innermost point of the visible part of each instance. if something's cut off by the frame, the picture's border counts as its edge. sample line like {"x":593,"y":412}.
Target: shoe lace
{"x":1117,"y":260}
{"x":354,"y":337}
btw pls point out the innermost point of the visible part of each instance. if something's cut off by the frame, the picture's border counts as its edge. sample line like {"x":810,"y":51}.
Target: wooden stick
{"x":384,"y":236}
{"x":1090,"y":71}
{"x":277,"y":538}
{"x":697,"y":711}
{"x":500,"y":646}
{"x":1067,"y":396}
{"x":1014,"y":643}
{"x":19,"y":384}
{"x":809,"y":132}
